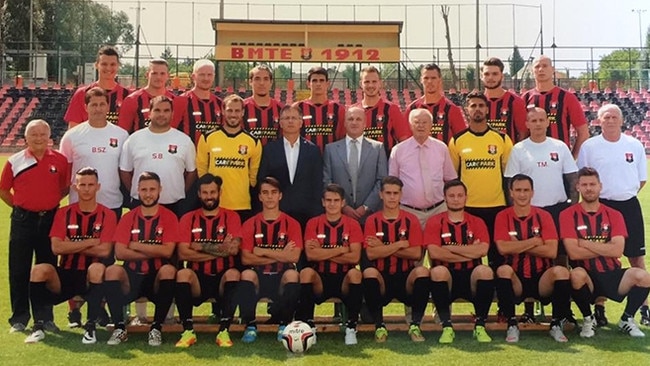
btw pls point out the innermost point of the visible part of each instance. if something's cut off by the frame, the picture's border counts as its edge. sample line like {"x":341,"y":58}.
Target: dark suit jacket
{"x":373,"y":167}
{"x":302,"y":198}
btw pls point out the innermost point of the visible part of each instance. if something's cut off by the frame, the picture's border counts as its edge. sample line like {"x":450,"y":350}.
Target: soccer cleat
{"x":17,"y":327}
{"x":645,"y":315}
{"x":49,"y":326}
{"x":381,"y":334}
{"x":599,"y":314}
{"x":188,"y":338}
{"x":155,"y":337}
{"x":481,"y":334}
{"x":250,"y":334}
{"x":416,"y":333}
{"x":527,"y":318}
{"x":118,"y":336}
{"x":557,"y":334}
{"x":74,"y":319}
{"x":280,"y":331}
{"x":350,"y":336}
{"x":36,"y":336}
{"x":629,"y":327}
{"x":90,"y":336}
{"x":223,"y":339}
{"x":512,"y":334}
{"x":588,"y":326}
{"x":447,"y":335}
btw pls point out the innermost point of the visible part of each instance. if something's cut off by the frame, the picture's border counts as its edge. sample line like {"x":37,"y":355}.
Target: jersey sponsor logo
{"x":629,"y":157}
{"x":492,"y":149}
{"x":207,"y":126}
{"x":242,"y":150}
{"x":229,"y":163}
{"x":264,"y":132}
{"x":173,"y":149}
{"x":473,"y":164}
{"x":555,"y":156}
{"x":497,"y":124}
{"x":319,"y":130}
{"x":541,"y":164}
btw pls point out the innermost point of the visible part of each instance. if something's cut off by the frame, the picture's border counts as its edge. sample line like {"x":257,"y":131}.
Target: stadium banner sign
{"x":307,"y":54}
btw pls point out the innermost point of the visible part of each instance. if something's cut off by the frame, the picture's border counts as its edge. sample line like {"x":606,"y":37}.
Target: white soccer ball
{"x":298,"y":337}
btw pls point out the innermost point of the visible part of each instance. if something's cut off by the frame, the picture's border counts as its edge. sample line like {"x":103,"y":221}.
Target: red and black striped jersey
{"x":385,"y":123}
{"x":405,"y":227}
{"x":333,"y":235}
{"x":600,"y":226}
{"x":563,"y":109}
{"x":508,"y":115}
{"x":262,"y":122}
{"x":77,"y":108}
{"x":538,"y":223}
{"x":322,"y":123}
{"x":134,"y":114}
{"x":195,"y":116}
{"x":196,"y":227}
{"x":75,"y":225}
{"x":441,"y":231}
{"x":448,"y":118}
{"x":159,"y":229}
{"x":275,"y":234}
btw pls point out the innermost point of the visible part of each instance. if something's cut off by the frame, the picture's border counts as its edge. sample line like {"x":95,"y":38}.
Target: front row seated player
{"x":456,"y":242}
{"x":527,"y":238}
{"x":333,"y":248}
{"x":81,"y":236}
{"x":393,"y":246}
{"x":145,"y":240}
{"x":209,"y":241}
{"x":594,"y":237}
{"x":271,"y":245}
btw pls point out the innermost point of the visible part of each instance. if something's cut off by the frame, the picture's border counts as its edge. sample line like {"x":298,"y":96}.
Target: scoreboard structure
{"x":304,"y":41}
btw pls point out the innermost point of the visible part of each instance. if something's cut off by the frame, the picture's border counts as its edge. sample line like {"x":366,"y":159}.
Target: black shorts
{"x":141,"y":285}
{"x":461,"y":285}
{"x":395,"y":288}
{"x":633,"y":216}
{"x":530,"y":289}
{"x":209,"y":287}
{"x":269,"y":285}
{"x":606,"y":284}
{"x":555,"y":210}
{"x":488,"y":215}
{"x":332,"y":283}
{"x":74,"y":282}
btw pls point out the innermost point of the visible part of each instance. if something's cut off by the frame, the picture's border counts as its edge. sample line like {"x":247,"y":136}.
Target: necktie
{"x":354,"y":167}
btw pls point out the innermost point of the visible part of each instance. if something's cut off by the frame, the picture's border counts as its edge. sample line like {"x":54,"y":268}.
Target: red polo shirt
{"x":37,"y":184}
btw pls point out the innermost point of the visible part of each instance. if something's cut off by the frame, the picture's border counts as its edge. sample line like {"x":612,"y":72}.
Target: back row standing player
{"x":448,"y":118}
{"x":261,"y":112}
{"x":384,"y":120}
{"x":562,"y":107}
{"x":107,"y":65}
{"x":134,"y":114}
{"x":323,"y":119}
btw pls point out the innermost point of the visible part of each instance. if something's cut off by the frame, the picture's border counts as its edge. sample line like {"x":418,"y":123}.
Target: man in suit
{"x":297,"y":164}
{"x":362,"y":188}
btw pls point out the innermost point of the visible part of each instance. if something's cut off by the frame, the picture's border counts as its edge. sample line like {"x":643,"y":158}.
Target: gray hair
{"x":202,"y":62}
{"x":37,"y":122}
{"x":610,"y":108}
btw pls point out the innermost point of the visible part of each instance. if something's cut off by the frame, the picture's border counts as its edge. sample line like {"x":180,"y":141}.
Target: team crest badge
{"x":53,"y":169}
{"x":173,"y":149}
{"x":492,"y":149}
{"x":97,"y":228}
{"x":504,"y":114}
{"x":305,"y":53}
{"x":629,"y":157}
{"x":604,"y":229}
{"x":330,"y":117}
{"x":380,"y":119}
{"x":555,"y":156}
{"x":441,"y":116}
{"x":470,"y":236}
{"x":112,"y":142}
{"x":536,"y":231}
{"x":159,"y":233}
{"x":346,"y":239}
{"x":282,"y":239}
{"x":243,"y":149}
{"x":402,"y":234}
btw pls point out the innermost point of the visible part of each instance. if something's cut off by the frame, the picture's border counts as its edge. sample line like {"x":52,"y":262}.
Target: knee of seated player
{"x":231,"y":275}
{"x":249,"y":275}
{"x":640,"y":277}
{"x":371,"y":273}
{"x":166,"y":272}
{"x":440,"y":274}
{"x":96,"y":273}
{"x":354,"y":276}
{"x":41,"y":272}
{"x":114,"y":273}
{"x":307,"y":275}
{"x":418,"y":272}
{"x":578,"y":277}
{"x":290,"y":276}
{"x":483,"y":272}
{"x":560,"y":273}
{"x":505,"y":271}
{"x":185,"y":275}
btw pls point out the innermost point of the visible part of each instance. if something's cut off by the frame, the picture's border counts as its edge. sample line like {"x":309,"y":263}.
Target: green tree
{"x":619,"y":66}
{"x":516,"y":61}
{"x":283,"y":72}
{"x":470,"y":75}
{"x":351,"y":75}
{"x":235,"y":74}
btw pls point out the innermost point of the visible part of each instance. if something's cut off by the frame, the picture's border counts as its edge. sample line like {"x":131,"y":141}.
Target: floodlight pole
{"x":639,"y":12}
{"x":478,"y":49}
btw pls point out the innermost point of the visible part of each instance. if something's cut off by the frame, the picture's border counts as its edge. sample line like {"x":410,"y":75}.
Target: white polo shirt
{"x":545,"y":163}
{"x":99,"y":148}
{"x":169,"y":154}
{"x":621,"y":165}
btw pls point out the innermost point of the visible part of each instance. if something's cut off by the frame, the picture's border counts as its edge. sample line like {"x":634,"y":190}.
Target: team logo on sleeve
{"x":173,"y":149}
{"x":629,"y":157}
{"x":555,"y":156}
{"x":243,"y":149}
{"x":112,"y":142}
{"x":305,"y":53}
{"x":492,"y":149}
